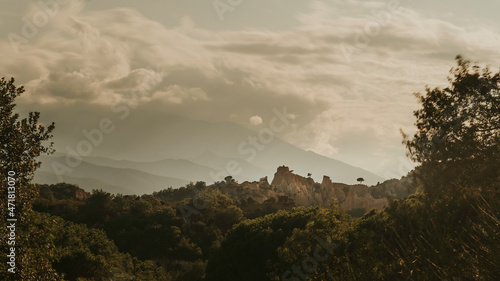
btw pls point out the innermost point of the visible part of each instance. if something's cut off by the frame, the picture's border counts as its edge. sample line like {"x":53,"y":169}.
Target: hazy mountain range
{"x":189,"y":150}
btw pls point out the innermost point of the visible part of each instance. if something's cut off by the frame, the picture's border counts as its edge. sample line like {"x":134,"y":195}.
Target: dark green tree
{"x":266,"y":248}
{"x":461,"y":121}
{"x":458,"y":128}
{"x":457,"y":144}
{"x":21,"y":142}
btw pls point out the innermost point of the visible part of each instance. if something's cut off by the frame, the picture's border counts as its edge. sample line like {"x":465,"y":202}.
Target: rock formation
{"x":305,"y":192}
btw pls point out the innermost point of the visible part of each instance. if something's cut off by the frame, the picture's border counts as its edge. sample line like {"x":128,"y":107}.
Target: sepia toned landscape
{"x":249,"y":140}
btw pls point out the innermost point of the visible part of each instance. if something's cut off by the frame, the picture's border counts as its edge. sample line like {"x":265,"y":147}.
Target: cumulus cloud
{"x":255,"y":120}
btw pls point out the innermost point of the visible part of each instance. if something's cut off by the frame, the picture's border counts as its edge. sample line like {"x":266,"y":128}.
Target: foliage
{"x":458,"y":130}
{"x":21,"y":141}
{"x":259,"y":249}
{"x":149,"y":228}
{"x":61,"y":250}
{"x":460,"y":122}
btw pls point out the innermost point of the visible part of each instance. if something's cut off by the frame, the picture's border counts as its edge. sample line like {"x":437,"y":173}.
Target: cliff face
{"x":299,"y":188}
{"x":306,"y":192}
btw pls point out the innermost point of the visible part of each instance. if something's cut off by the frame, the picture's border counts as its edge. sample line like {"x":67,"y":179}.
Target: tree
{"x":461,"y":121}
{"x":458,"y":127}
{"x":21,"y":141}
{"x":361,"y":180}
{"x":249,"y":250}
{"x":457,"y":143}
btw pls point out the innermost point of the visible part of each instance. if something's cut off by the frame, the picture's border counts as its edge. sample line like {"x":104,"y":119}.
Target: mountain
{"x":224,"y":147}
{"x":178,"y":168}
{"x":87,"y":184}
{"x":116,"y":180}
{"x":219,"y":164}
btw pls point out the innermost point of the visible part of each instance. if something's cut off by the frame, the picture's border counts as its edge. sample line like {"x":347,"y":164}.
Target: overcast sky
{"x":345,"y":69}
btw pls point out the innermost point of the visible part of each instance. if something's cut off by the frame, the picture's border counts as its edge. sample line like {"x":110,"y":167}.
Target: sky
{"x":345,"y":70}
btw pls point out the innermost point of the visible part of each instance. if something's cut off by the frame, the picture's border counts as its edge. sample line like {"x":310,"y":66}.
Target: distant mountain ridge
{"x":212,"y":149}
{"x":130,"y":177}
{"x":115,"y":180}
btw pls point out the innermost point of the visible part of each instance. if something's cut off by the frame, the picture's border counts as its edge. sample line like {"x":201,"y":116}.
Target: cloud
{"x":177,"y":95}
{"x":255,"y":120}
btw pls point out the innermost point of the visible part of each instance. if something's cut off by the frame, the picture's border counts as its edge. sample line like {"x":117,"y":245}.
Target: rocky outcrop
{"x":306,"y":192}
{"x":327,"y":186}
{"x":299,"y":188}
